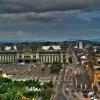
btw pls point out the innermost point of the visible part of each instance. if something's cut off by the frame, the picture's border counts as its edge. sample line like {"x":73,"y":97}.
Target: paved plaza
{"x":29,"y":72}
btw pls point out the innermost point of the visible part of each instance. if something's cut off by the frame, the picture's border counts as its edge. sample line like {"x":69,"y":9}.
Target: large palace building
{"x":32,"y":54}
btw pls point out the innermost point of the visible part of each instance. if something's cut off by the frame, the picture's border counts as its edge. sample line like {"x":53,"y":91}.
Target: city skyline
{"x":49,"y":19}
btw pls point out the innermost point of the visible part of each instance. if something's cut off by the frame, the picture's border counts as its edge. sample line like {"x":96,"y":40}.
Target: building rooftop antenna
{"x":32,"y":34}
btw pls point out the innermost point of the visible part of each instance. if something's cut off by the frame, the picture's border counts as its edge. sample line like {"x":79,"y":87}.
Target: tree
{"x":17,"y":90}
{"x":46,"y":94}
{"x":70,"y":60}
{"x":50,"y":84}
{"x":30,"y":94}
{"x":4,"y":86}
{"x":5,"y":96}
{"x":4,"y":80}
{"x":43,"y":70}
{"x":18,"y":96}
{"x":19,"y":84}
{"x":55,"y":67}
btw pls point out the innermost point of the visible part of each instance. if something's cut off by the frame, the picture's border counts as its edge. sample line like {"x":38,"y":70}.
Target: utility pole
{"x":32,"y":34}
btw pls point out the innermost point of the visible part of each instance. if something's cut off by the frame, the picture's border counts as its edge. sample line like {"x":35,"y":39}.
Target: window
{"x":99,"y":78}
{"x":20,"y":56}
{"x":98,"y":62}
{"x":98,"y":69}
{"x":26,"y":56}
{"x":34,"y":56}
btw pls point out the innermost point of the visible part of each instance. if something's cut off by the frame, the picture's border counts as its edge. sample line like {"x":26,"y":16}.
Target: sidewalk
{"x":79,"y":95}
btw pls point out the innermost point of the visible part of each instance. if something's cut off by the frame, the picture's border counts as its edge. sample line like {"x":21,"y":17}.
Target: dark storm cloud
{"x":42,"y":10}
{"x":12,"y":6}
{"x":30,"y":17}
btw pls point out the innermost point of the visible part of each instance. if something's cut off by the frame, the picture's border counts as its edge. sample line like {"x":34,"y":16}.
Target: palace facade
{"x":33,"y":54}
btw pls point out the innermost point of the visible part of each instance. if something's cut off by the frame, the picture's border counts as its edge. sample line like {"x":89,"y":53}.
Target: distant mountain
{"x":95,"y":40}
{"x":43,"y":41}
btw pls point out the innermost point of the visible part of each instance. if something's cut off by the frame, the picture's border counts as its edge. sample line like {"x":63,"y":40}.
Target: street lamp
{"x":81,"y":86}
{"x":92,"y":86}
{"x":76,"y":82}
{"x":75,"y":72}
{"x":85,"y":86}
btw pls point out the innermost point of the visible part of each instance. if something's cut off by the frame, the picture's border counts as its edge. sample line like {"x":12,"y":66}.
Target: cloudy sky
{"x":49,"y":19}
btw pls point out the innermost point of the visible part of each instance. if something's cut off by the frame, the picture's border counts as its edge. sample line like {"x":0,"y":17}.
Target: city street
{"x":71,"y":81}
{"x":59,"y":95}
{"x":67,"y":80}
{"x":69,"y":86}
